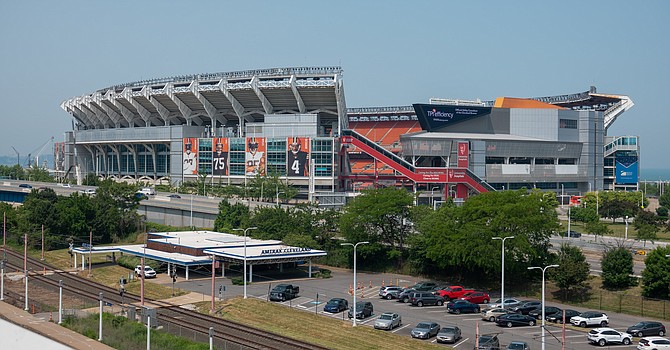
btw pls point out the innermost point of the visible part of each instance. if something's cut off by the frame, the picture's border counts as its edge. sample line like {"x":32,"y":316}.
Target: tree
{"x":656,"y":274}
{"x":380,"y":216}
{"x":598,"y":228}
{"x":583,"y":214}
{"x":664,"y":200}
{"x":617,"y":267}
{"x":573,"y":269}
{"x":462,"y":236}
{"x":647,"y":225}
{"x":231,"y":216}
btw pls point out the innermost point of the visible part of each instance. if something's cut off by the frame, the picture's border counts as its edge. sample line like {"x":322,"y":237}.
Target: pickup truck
{"x":453,"y":292}
{"x":283,"y":292}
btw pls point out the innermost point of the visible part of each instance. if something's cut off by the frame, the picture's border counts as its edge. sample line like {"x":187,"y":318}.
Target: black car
{"x":424,"y":286}
{"x":558,"y":316}
{"x":511,"y":320}
{"x":363,"y":309}
{"x":425,"y":298}
{"x":174,"y":196}
{"x":537,"y":313}
{"x":526,"y":307}
{"x":574,"y":234}
{"x":25,"y":186}
{"x":646,"y":328}
{"x":336,"y":305}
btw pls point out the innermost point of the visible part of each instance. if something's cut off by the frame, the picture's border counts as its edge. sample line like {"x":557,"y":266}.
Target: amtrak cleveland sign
{"x":284,"y":251}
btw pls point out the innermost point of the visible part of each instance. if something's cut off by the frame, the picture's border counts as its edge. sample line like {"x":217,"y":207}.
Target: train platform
{"x":42,"y":327}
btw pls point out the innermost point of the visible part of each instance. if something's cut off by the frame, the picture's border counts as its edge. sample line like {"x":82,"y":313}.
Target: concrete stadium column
{"x":75,"y":261}
{"x":310,"y":269}
{"x":250,"y":279}
{"x":168,"y":270}
{"x":187,"y":272}
{"x":223,"y":269}
{"x":83,"y":263}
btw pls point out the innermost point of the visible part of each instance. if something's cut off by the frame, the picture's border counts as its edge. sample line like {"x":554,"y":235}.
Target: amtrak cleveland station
{"x":194,"y":249}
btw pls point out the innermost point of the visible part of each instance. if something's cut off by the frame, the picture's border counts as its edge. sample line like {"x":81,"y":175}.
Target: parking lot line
{"x":462,"y":342}
{"x":399,"y":328}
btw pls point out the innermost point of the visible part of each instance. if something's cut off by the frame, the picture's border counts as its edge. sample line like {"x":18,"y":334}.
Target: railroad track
{"x":188,"y":319}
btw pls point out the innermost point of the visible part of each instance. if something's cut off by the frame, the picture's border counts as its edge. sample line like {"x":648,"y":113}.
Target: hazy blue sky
{"x":392,"y":53}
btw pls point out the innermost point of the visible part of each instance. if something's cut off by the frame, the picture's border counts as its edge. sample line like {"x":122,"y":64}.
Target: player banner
{"x":220,"y":156}
{"x":190,"y":156}
{"x":255,"y":156}
{"x":297,"y":156}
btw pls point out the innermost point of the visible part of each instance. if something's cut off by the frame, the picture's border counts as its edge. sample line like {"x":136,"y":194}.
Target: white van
{"x":147,"y":191}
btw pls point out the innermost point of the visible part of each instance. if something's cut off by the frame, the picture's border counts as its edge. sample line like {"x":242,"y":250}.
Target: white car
{"x":88,"y":191}
{"x":649,"y":343}
{"x":590,"y":318}
{"x":65,"y":185}
{"x":605,"y":336}
{"x":148,"y":271}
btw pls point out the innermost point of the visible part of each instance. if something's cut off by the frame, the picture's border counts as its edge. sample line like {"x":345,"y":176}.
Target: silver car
{"x":388,"y":320}
{"x":449,"y":334}
{"x":509,"y":303}
{"x":425,"y":330}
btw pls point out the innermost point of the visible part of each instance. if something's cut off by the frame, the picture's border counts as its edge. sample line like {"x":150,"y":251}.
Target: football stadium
{"x":294,"y":123}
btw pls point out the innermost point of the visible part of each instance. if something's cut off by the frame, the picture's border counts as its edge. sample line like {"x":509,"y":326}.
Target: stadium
{"x":294,"y":123}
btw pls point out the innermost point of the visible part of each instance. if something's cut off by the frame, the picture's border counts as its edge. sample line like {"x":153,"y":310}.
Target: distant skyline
{"x":392,"y":53}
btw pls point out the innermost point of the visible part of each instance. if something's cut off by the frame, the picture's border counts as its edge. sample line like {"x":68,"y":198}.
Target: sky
{"x":393,"y":53}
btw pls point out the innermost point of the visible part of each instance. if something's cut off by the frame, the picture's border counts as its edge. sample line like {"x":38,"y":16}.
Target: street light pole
{"x":502,"y":278}
{"x":354,"y":245}
{"x":432,"y":200}
{"x":543,"y":306}
{"x":626,"y":228}
{"x":567,"y":234}
{"x":245,"y":255}
{"x":278,"y":197}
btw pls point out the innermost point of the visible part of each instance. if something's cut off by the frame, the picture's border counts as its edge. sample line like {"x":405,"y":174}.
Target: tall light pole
{"x":543,"y":306}
{"x":567,"y":234}
{"x":432,"y":200}
{"x":354,"y":245}
{"x":502,"y":278}
{"x":626,"y":237}
{"x":245,"y":255}
{"x":278,"y":197}
{"x":191,"y":210}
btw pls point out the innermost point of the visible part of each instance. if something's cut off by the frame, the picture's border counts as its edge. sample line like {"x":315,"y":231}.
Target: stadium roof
{"x":218,"y":99}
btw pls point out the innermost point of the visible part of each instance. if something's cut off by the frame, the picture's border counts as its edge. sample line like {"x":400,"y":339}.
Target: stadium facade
{"x":293,"y":122}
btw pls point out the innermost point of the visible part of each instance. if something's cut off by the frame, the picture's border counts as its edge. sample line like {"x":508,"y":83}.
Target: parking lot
{"x":338,"y":287}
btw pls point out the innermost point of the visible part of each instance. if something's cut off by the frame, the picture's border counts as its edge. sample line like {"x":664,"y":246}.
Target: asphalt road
{"x":338,"y":286}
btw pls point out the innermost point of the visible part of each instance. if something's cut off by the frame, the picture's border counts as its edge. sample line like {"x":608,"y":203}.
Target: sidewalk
{"x":48,"y":329}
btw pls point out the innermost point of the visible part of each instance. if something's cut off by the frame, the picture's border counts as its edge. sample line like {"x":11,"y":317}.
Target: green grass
{"x":120,"y":333}
{"x":325,"y":331}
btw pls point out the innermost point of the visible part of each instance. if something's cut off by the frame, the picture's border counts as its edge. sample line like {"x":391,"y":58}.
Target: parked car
{"x":526,"y":307}
{"x":425,"y":298}
{"x":646,"y":328}
{"x":558,"y":317}
{"x":590,"y":318}
{"x":650,"y":343}
{"x":283,"y":292}
{"x":489,"y":342}
{"x":336,"y":305}
{"x":509,"y":303}
{"x":148,"y":271}
{"x":404,"y":295}
{"x":604,"y":336}
{"x":537,"y":313}
{"x":461,"y":306}
{"x":424,"y":286}
{"x":174,"y":196}
{"x":363,"y":309}
{"x":491,"y":314}
{"x":449,"y":334}
{"x":25,"y":186}
{"x":389,"y":292}
{"x":388,"y":320}
{"x":518,"y":345}
{"x":477,"y":297}
{"x":425,"y":330}
{"x":514,"y":319}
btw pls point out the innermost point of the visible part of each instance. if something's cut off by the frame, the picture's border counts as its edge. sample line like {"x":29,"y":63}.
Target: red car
{"x":477,"y":297}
